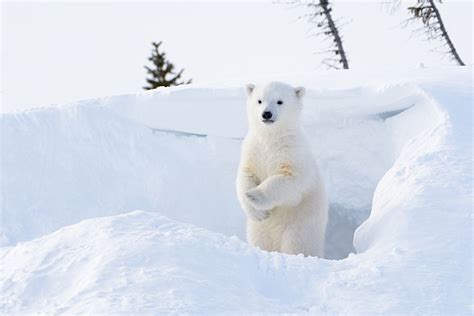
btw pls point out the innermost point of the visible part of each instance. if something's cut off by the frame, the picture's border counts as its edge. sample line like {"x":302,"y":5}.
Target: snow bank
{"x":145,"y":263}
{"x":63,"y":165}
{"x":175,"y":152}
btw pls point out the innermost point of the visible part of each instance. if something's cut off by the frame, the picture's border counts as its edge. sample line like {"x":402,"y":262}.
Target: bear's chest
{"x":271,"y":159}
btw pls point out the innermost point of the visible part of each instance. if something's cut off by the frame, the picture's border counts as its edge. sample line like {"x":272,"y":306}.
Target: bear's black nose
{"x":267,"y":115}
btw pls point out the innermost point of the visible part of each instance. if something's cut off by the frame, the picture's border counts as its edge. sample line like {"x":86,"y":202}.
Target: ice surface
{"x":396,"y":148}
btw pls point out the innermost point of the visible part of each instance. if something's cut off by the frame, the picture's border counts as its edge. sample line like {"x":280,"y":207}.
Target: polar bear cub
{"x":278,"y":184}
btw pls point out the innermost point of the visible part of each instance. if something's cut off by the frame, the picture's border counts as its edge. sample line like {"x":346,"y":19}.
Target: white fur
{"x":278,"y":183}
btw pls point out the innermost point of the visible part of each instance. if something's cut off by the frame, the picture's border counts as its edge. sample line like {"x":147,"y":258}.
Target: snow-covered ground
{"x":126,"y":204}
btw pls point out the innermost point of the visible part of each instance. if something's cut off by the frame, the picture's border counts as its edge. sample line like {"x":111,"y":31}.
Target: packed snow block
{"x":209,"y":111}
{"x":422,"y":207}
{"x":65,"y":164}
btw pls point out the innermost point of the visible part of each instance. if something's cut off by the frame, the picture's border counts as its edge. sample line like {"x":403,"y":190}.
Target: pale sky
{"x":57,"y":52}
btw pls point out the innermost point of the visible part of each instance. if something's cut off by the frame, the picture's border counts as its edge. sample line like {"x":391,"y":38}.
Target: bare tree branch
{"x":321,"y":18}
{"x":433,"y":28}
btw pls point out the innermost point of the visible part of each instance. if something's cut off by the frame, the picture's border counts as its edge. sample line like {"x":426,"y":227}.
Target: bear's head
{"x":274,"y":106}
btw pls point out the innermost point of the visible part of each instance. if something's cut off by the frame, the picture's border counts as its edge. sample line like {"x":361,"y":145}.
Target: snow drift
{"x":399,"y":151}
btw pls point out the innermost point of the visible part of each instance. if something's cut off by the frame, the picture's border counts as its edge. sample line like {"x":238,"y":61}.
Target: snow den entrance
{"x":356,"y":135}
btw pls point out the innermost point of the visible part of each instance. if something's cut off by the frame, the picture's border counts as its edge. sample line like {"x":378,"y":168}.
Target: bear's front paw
{"x":258,"y":215}
{"x":257,"y":199}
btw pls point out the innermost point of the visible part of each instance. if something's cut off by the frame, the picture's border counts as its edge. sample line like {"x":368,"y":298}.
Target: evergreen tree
{"x":162,"y":72}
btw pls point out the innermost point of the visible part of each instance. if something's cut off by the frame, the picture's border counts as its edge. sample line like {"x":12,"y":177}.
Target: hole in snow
{"x":358,"y":135}
{"x":353,"y":154}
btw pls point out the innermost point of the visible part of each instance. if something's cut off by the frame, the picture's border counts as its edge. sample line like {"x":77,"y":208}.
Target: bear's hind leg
{"x":293,"y":244}
{"x":296,"y":242}
{"x":258,"y":235}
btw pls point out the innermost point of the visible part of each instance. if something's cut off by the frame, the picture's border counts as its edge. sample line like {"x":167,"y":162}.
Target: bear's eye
{"x":259,"y":101}
{"x":280,"y":102}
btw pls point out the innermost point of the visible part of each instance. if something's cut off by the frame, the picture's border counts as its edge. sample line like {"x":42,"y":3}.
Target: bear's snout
{"x":267,"y":115}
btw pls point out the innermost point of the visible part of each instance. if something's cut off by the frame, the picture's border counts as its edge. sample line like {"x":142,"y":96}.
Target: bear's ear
{"x":249,"y":88}
{"x":300,"y":92}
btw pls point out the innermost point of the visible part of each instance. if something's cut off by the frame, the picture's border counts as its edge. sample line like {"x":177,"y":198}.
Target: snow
{"x":395,"y":150}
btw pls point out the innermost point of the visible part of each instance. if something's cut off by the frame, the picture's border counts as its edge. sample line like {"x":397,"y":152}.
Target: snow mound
{"x":145,"y":263}
{"x":396,"y":158}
